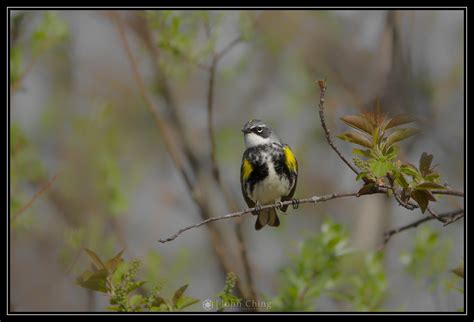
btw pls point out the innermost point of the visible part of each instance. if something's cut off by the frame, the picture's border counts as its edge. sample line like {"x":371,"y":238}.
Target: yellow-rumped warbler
{"x":268,"y":173}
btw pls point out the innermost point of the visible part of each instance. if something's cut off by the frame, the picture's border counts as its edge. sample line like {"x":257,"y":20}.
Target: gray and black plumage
{"x":269,"y":171}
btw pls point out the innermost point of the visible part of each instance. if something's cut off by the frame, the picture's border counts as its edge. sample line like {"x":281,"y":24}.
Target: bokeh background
{"x":78,"y":117}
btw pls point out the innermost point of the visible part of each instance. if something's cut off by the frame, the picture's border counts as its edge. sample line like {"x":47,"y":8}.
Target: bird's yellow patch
{"x":290,"y":159}
{"x":246,"y":169}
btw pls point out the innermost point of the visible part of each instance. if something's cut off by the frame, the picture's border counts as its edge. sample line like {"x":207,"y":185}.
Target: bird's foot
{"x":258,"y":208}
{"x":280,"y":204}
{"x":295,"y":203}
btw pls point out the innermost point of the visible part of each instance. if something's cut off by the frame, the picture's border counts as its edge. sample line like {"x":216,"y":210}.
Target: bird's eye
{"x":259,"y":129}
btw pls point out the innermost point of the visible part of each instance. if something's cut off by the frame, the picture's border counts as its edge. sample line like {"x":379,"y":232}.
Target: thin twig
{"x":36,"y":196}
{"x":312,"y":200}
{"x":14,"y":86}
{"x":452,"y":216}
{"x":449,"y":192}
{"x":215,"y":236}
{"x":227,"y":48}
{"x":210,"y":127}
{"x":322,"y":87}
{"x":160,"y":122}
{"x":232,"y":206}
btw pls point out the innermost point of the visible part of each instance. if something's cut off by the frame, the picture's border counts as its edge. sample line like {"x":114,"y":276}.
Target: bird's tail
{"x":267,"y":217}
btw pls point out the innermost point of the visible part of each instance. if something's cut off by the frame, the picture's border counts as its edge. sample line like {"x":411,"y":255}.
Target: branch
{"x":322,"y":87}
{"x":312,"y":200}
{"x":36,"y":196}
{"x":451,"y":217}
{"x":232,"y":206}
{"x":163,"y":127}
{"x":160,"y":122}
{"x":449,"y":192}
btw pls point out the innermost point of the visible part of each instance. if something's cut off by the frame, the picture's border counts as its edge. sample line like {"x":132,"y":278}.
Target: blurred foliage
{"x":428,"y":262}
{"x":118,"y":279}
{"x":25,"y":169}
{"x":428,"y":258}
{"x":50,"y":31}
{"x":226,"y":298}
{"x":376,"y":132}
{"x":325,"y":266}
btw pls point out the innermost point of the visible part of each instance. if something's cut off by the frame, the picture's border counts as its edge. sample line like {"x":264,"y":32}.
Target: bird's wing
{"x":245,"y":171}
{"x":292,"y":165}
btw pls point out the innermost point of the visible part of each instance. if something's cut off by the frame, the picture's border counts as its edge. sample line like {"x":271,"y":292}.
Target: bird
{"x":268,"y":174}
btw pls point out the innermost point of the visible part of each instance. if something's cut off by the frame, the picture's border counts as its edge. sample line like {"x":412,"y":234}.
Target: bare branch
{"x":232,"y":206}
{"x":448,"y":218}
{"x":160,"y":122}
{"x":322,"y":87}
{"x":227,"y":48}
{"x":312,"y":200}
{"x":449,"y":192}
{"x":163,"y":127}
{"x":36,"y":196}
{"x":210,"y":127}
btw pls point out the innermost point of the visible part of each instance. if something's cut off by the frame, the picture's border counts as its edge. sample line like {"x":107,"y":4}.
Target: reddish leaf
{"x":179,"y":292}
{"x":425,"y":163}
{"x":358,"y":122}
{"x":400,"y":135}
{"x":459,"y":271}
{"x":367,"y":189}
{"x":111,"y":264}
{"x":94,"y":280}
{"x":429,"y":186}
{"x":355,"y":138}
{"x":421,"y":198}
{"x":95,"y":259}
{"x":400,"y":119}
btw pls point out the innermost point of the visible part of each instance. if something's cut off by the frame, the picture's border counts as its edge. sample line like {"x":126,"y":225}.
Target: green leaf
{"x":400,"y":135}
{"x":392,"y":152}
{"x":179,"y":292}
{"x":429,"y":186}
{"x":185,"y":301}
{"x":136,"y":300}
{"x":111,"y":264}
{"x":363,"y":153}
{"x":361,"y":175}
{"x":358,"y":122}
{"x":410,"y":170}
{"x":400,"y":179}
{"x":380,"y":168}
{"x":133,"y":286}
{"x":158,"y":301}
{"x":425,"y":163}
{"x":96,"y":281}
{"x":355,"y":138}
{"x":400,"y":119}
{"x":95,"y":259}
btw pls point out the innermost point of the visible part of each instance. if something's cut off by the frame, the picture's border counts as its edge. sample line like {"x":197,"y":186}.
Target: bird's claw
{"x":258,"y":208}
{"x":279,"y":204}
{"x":295,"y":203}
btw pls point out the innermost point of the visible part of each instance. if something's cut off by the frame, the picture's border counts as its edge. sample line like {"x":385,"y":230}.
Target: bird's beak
{"x":245,"y":131}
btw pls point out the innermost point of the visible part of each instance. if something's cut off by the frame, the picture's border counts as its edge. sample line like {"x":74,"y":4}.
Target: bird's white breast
{"x":273,"y":187}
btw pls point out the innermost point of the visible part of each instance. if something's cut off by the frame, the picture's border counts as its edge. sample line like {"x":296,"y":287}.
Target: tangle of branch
{"x":447,"y":218}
